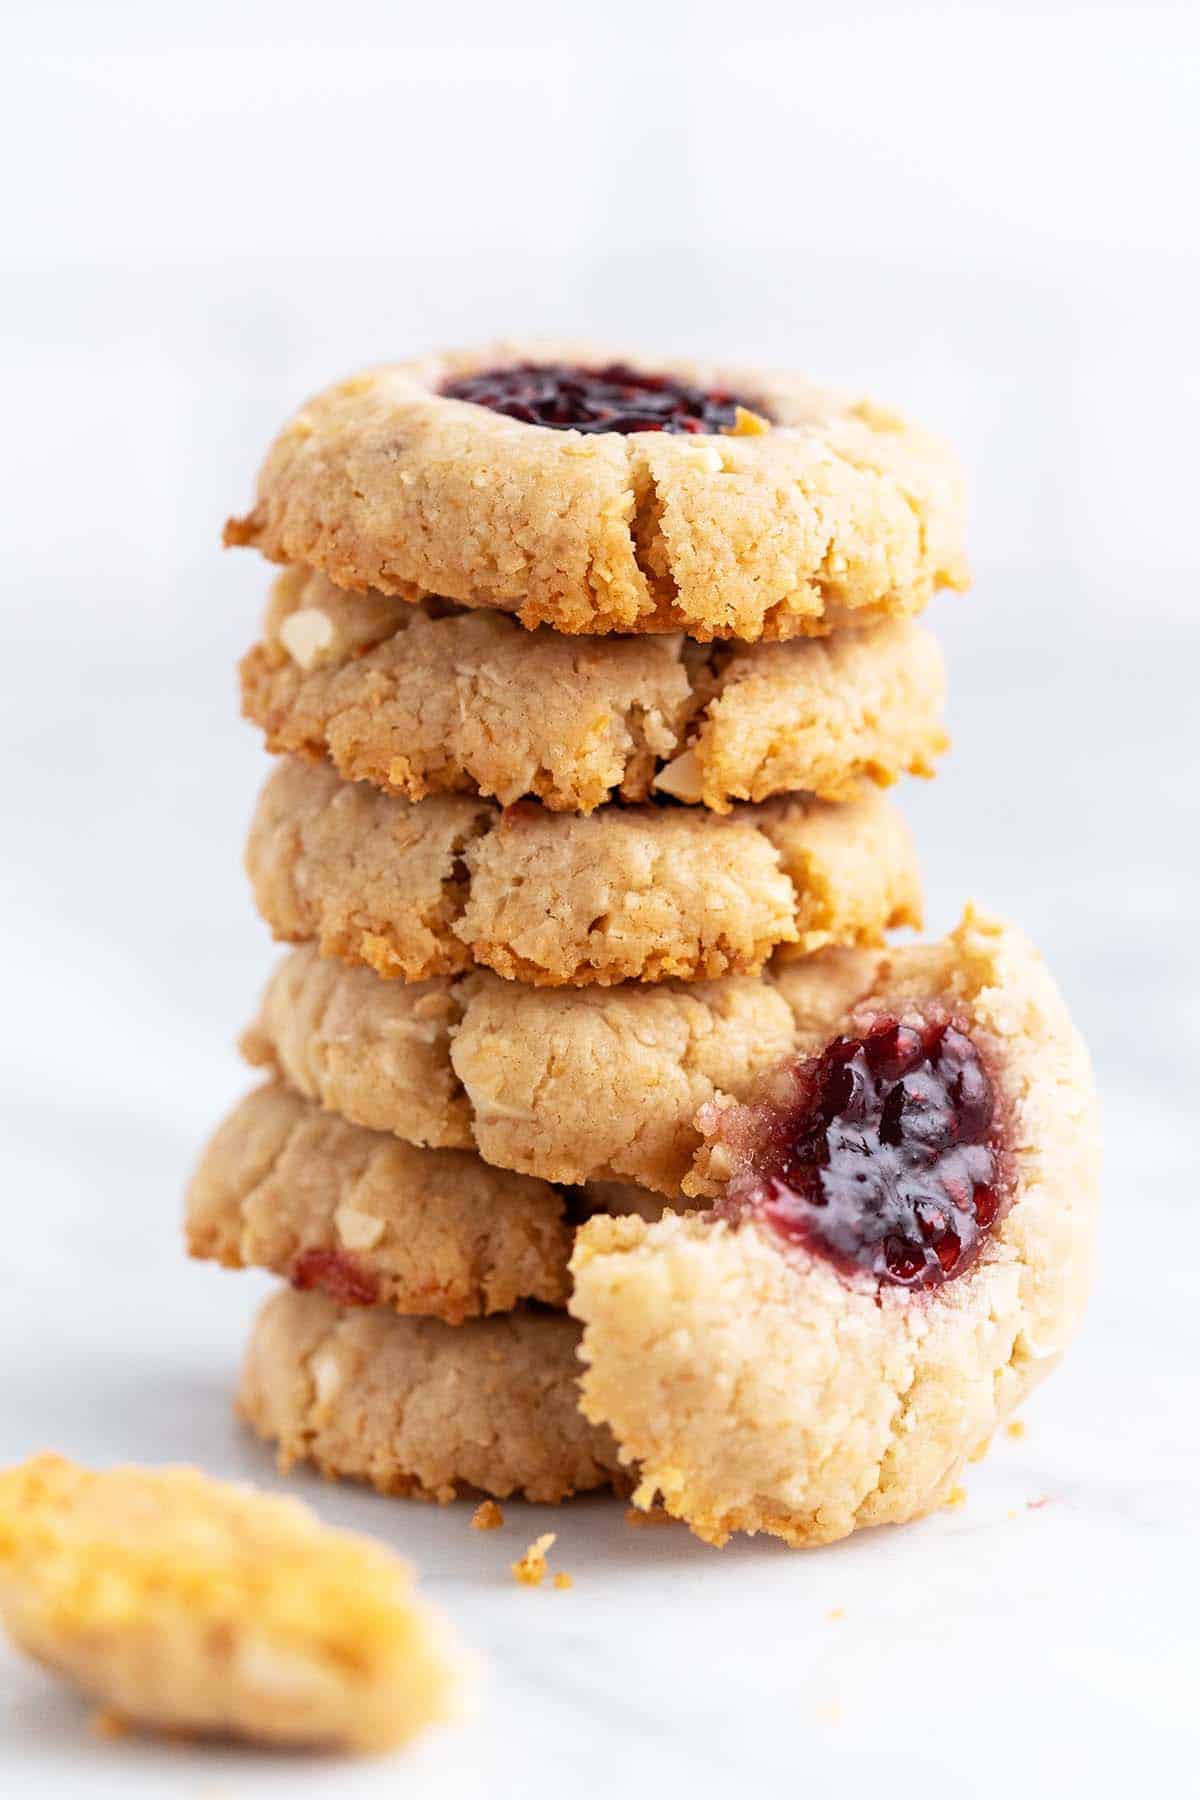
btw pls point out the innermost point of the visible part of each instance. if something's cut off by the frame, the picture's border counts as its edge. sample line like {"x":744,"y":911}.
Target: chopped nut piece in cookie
{"x":307,"y":635}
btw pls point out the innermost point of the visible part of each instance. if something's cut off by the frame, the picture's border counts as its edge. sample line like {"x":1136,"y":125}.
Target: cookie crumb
{"x":105,"y":1723}
{"x":530,"y":1570}
{"x":955,"y":1498}
{"x":835,"y":1613}
{"x":563,"y":1580}
{"x":487,"y":1517}
{"x":1015,"y":1428}
{"x":653,"y":1515}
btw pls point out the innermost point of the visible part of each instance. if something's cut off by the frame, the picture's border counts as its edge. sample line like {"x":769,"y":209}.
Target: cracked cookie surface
{"x":423,"y":698}
{"x":759,"y":1387}
{"x":416,"y":889}
{"x":422,"y":1409}
{"x":370,"y":1220}
{"x":839,"y":513}
{"x":569,"y":1084}
{"x":197,"y":1606}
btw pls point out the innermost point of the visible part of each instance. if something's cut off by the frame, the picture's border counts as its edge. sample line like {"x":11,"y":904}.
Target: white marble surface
{"x":169,"y":288}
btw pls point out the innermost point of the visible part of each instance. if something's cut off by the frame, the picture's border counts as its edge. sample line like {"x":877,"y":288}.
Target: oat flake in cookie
{"x":899,"y":1249}
{"x":599,"y":494}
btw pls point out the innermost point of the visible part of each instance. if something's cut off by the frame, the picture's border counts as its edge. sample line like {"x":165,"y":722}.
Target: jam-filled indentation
{"x":615,"y":397}
{"x":889,"y":1162}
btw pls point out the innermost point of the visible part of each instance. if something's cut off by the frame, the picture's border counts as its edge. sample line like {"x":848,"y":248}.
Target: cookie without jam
{"x":428,"y":698}
{"x":759,"y":1386}
{"x":368,"y":1219}
{"x":840,"y":513}
{"x":195,"y":1606}
{"x":422,"y":1409}
{"x":568,"y":1084}
{"x":415,"y":889}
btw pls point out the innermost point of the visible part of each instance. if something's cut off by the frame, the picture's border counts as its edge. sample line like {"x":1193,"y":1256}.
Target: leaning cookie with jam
{"x":896,"y":1249}
{"x":598,"y":493}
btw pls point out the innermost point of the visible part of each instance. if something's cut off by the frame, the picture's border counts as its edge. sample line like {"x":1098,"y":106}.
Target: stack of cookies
{"x":585,"y":679}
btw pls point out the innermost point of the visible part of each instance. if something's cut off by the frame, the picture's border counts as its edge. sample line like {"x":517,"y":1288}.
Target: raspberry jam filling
{"x":336,"y":1275}
{"x":889,"y":1161}
{"x":567,"y":397}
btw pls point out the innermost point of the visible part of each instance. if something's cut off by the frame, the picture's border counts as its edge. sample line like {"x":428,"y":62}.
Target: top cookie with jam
{"x":599,"y":493}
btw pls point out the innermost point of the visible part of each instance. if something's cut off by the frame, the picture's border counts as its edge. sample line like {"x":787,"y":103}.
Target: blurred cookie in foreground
{"x":196,"y":1606}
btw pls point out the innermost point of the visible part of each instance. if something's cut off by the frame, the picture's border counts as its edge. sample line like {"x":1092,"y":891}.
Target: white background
{"x":983,"y":213}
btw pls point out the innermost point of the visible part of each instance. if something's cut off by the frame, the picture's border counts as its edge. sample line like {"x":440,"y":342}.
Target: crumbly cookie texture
{"x":371,"y":1220}
{"x":572,"y":1085}
{"x":423,"y":1409}
{"x":840,"y":513}
{"x":428,"y":698}
{"x":193,"y":1605}
{"x":377,"y":1052}
{"x":759,"y":1389}
{"x":415,"y":889}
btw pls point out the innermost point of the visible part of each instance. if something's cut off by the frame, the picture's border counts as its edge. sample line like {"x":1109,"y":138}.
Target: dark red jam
{"x":568,"y":397}
{"x":337,"y":1275}
{"x":890,"y":1162}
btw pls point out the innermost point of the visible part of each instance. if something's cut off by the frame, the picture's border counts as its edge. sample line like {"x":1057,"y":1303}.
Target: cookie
{"x":568,"y":1084}
{"x":377,"y":1052}
{"x":195,"y":1606}
{"x":371,"y":1220}
{"x":415,"y":889}
{"x":900,"y":1250}
{"x":427,"y":698}
{"x":423,"y":1409}
{"x":791,"y":514}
